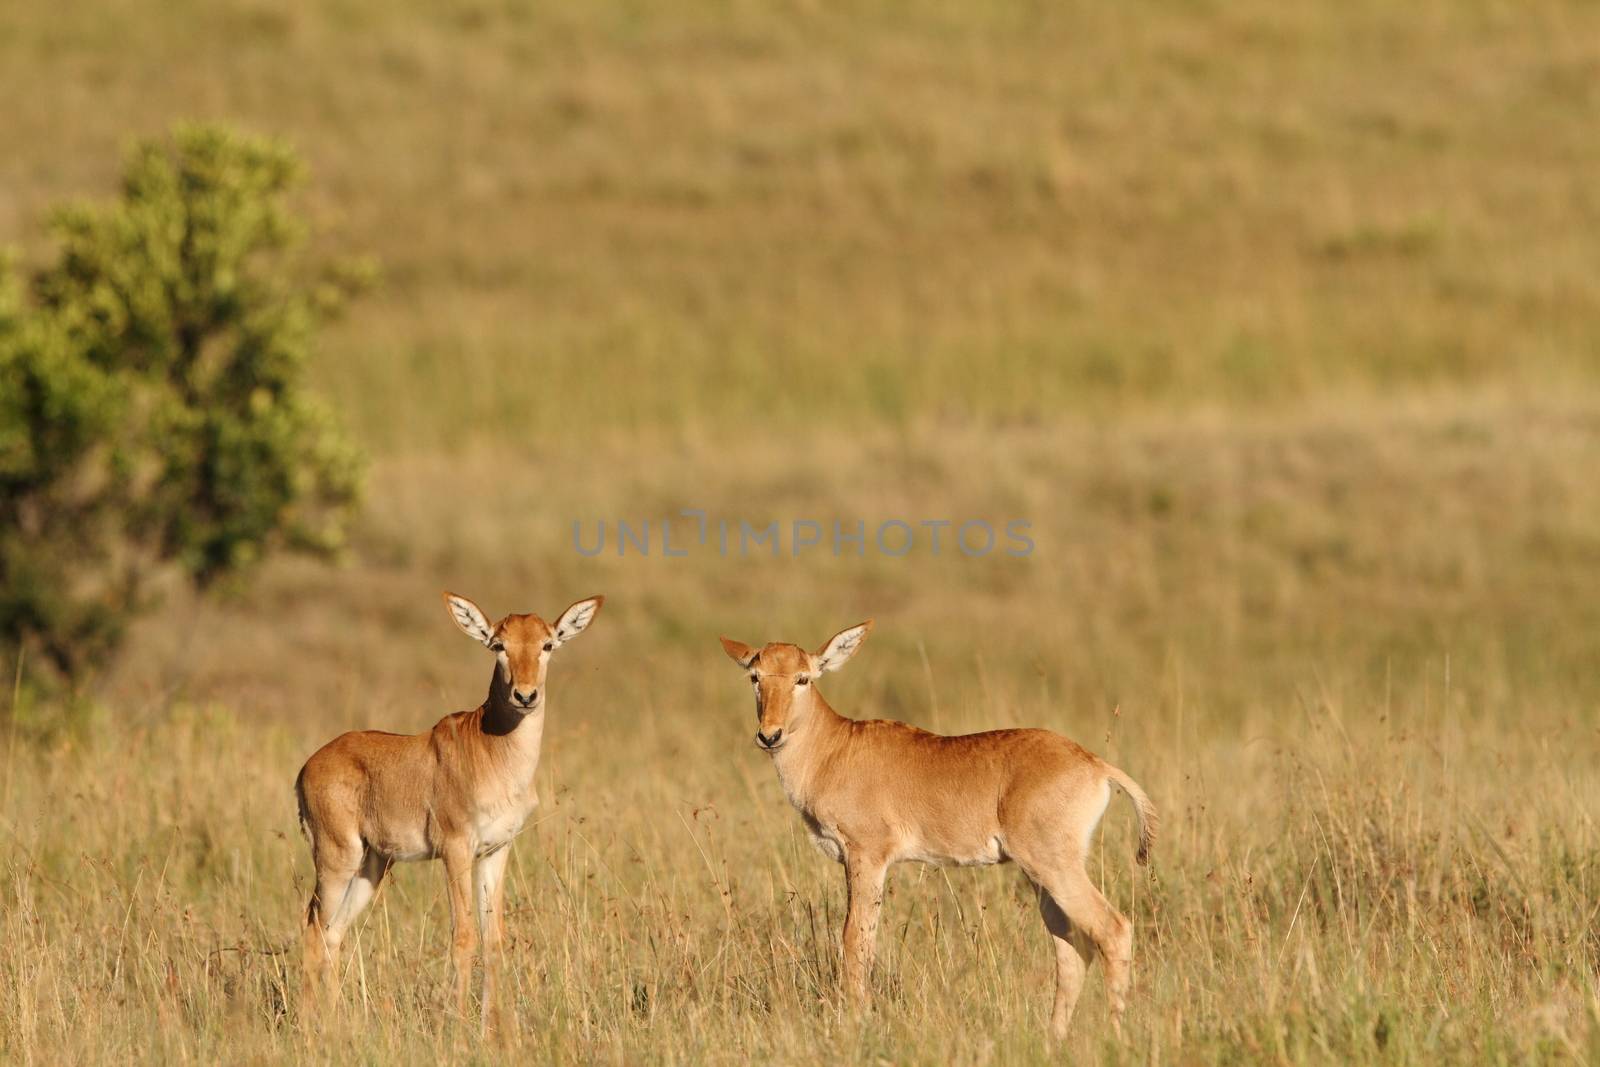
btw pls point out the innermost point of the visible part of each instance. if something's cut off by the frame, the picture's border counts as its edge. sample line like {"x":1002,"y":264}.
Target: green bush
{"x":153,"y":413}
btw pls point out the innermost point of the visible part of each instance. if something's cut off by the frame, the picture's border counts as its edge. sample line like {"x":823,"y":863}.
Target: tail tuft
{"x":300,"y":802}
{"x":1148,"y":820}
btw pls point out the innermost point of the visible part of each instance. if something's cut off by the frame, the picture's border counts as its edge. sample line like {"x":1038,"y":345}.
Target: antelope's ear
{"x":738,"y":651}
{"x":467,"y":615}
{"x":577,"y":618}
{"x":840,"y":647}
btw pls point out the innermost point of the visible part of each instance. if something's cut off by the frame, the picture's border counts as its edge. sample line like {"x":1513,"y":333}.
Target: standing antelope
{"x":876,"y":793}
{"x":459,"y":792}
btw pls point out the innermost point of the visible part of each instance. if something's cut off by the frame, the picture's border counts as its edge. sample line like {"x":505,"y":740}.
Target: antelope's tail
{"x":1148,"y":820}
{"x":305,"y":831}
{"x":300,"y":802}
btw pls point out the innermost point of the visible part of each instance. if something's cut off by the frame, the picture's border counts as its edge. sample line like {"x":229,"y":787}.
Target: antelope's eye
{"x":549,"y":646}
{"x":802,"y":680}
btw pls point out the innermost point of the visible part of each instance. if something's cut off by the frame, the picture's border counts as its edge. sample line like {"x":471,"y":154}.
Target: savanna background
{"x":1280,"y":322}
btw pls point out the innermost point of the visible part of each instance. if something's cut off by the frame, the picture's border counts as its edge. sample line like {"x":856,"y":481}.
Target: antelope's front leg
{"x":491,"y":888}
{"x":463,"y":928}
{"x":864,"y":875}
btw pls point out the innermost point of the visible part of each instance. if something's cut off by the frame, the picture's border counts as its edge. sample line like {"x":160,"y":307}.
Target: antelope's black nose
{"x":769,"y":740}
{"x":527,"y":698}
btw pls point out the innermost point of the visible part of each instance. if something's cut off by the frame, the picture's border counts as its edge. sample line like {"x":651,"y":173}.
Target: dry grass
{"x":1277,"y":322}
{"x":1326,"y":892}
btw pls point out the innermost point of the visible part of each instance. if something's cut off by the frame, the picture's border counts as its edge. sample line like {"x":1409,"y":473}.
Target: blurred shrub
{"x":153,"y":413}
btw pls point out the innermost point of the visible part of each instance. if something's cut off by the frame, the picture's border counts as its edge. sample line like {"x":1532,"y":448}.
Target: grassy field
{"x":1279,"y":324}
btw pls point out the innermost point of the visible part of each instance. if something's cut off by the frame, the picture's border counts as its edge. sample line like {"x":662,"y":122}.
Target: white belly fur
{"x":992,"y":851}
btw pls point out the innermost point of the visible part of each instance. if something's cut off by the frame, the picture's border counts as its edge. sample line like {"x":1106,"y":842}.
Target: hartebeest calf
{"x":459,"y":792}
{"x":876,"y":793}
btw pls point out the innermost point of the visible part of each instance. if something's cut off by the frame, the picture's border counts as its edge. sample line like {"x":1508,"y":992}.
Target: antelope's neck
{"x":516,"y":733}
{"x":800,"y":761}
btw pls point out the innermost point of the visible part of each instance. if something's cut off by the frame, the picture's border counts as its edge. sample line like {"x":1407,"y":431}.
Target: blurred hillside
{"x":1281,"y":325}
{"x":698,"y":216}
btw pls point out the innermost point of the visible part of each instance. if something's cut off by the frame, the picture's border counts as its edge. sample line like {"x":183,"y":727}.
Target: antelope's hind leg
{"x":1091,"y":916}
{"x":1074,"y":907}
{"x":348,"y":876}
{"x":1074,"y":952}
